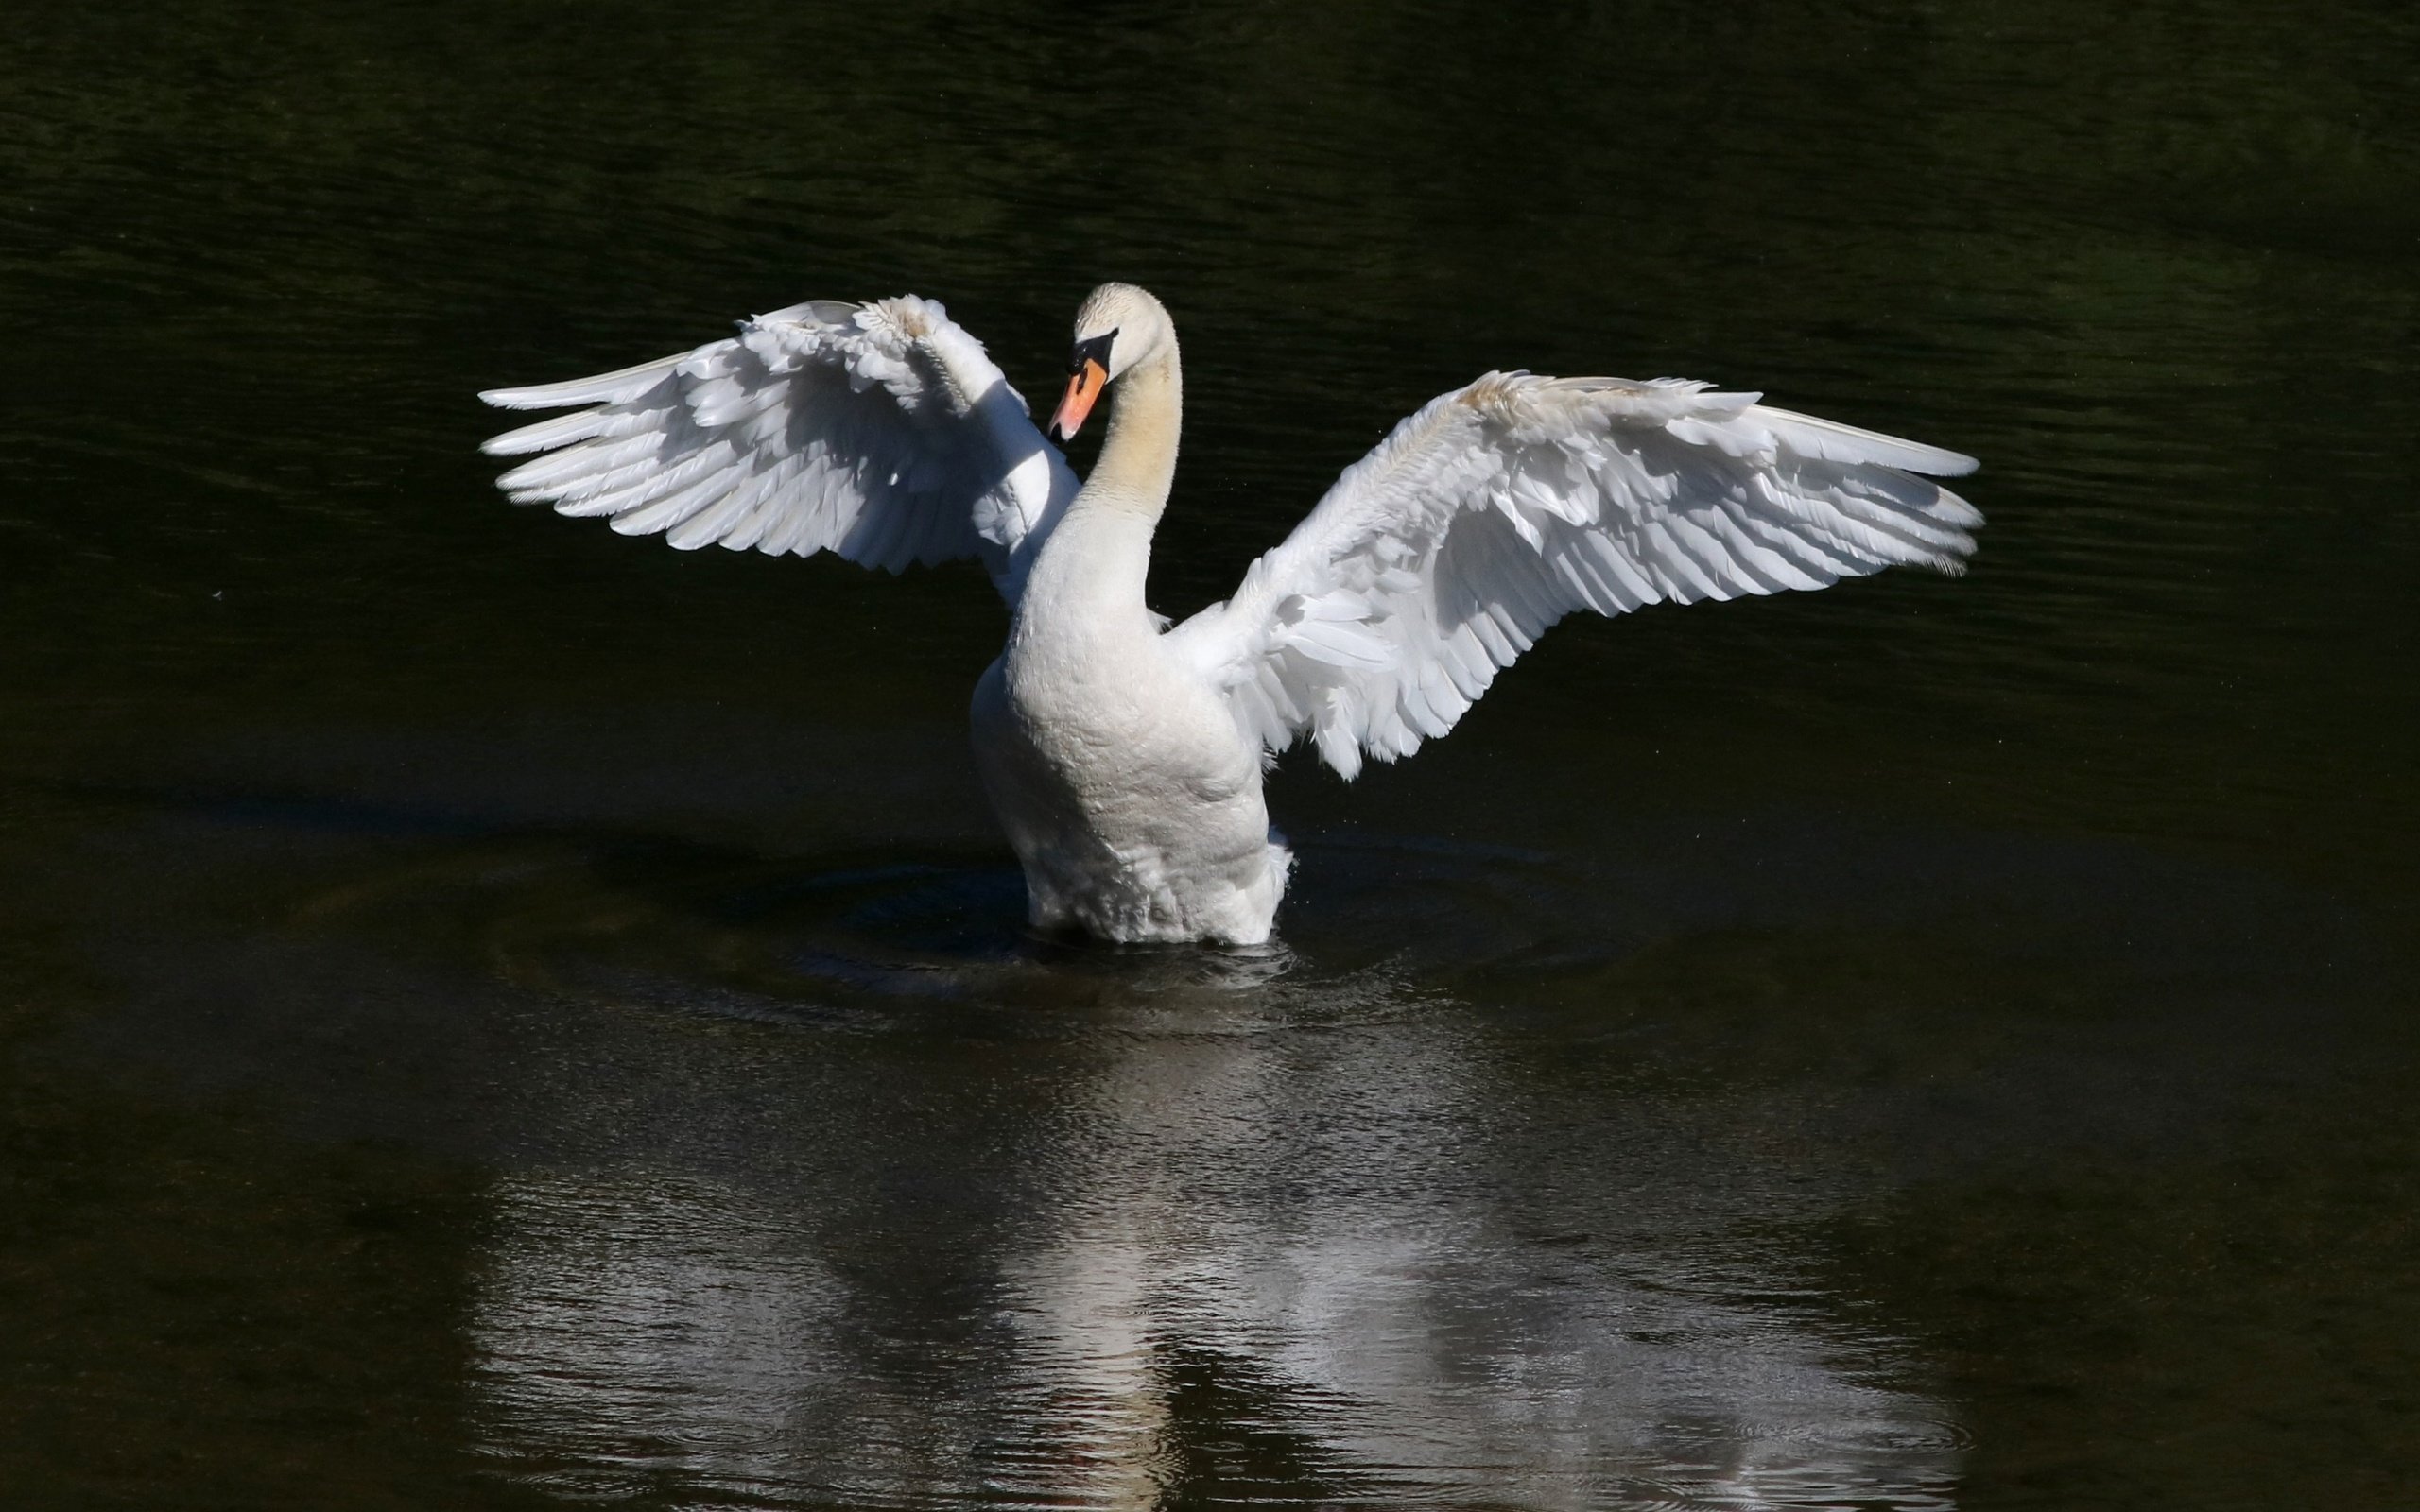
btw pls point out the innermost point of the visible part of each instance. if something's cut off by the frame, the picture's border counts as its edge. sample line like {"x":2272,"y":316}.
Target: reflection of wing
{"x":1225,"y":1232}
{"x":880,"y":432}
{"x":1500,"y":507}
{"x":1330,"y":1240}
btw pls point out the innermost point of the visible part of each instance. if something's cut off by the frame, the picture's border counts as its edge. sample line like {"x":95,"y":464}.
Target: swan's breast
{"x":1121,"y":723}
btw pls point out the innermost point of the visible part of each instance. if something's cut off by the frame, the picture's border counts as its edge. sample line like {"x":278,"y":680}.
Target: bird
{"x":1124,"y":755}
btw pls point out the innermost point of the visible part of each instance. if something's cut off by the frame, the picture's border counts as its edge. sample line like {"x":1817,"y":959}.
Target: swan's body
{"x":1124,"y":781}
{"x":1125,"y":760}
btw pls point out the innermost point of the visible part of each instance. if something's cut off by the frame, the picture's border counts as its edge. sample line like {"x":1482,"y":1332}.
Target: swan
{"x":1123,"y":756}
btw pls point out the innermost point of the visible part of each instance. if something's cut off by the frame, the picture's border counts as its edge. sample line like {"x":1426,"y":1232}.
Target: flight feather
{"x":1496,"y":509}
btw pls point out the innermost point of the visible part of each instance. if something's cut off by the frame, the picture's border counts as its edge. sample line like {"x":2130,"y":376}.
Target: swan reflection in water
{"x":1221,"y":1249}
{"x":1228,"y":1236}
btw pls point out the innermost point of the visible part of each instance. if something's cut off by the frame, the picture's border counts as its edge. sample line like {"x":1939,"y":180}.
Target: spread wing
{"x":880,"y":432}
{"x":1500,"y":507}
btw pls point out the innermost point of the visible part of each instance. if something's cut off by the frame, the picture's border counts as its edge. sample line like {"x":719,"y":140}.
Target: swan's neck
{"x":1138,"y":463}
{"x":1093,"y":567}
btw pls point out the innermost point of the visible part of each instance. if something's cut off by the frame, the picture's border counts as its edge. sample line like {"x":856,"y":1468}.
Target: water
{"x":501,"y":1015}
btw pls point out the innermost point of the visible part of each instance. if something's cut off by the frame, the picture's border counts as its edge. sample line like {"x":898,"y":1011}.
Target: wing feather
{"x":1496,"y":509}
{"x":879,"y":432}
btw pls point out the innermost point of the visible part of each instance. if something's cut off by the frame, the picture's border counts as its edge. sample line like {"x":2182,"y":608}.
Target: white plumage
{"x":1124,"y":760}
{"x":879,"y":432}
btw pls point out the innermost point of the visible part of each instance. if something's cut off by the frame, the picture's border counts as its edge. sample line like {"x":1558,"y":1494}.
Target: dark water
{"x":499,"y":1015}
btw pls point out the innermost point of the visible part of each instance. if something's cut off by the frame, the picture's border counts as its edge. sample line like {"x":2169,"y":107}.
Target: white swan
{"x":1124,"y":760}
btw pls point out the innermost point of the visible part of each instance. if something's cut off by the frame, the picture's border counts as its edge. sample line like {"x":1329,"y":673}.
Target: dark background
{"x":494,"y":1012}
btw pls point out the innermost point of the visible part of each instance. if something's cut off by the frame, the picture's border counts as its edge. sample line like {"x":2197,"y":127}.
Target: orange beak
{"x":1083,"y":386}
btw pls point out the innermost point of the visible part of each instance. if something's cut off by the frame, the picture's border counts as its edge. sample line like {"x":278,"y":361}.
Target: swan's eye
{"x":1093,"y":349}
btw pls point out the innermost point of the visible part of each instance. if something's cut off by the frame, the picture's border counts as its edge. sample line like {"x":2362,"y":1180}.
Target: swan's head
{"x":1118,"y":326}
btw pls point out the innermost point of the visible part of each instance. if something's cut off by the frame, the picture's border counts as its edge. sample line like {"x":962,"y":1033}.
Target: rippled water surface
{"x":498,"y":1015}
